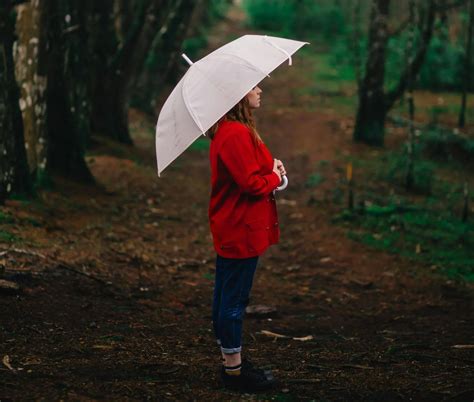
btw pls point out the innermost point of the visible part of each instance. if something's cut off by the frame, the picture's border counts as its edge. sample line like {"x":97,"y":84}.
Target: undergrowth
{"x":425,"y":235}
{"x":425,"y":223}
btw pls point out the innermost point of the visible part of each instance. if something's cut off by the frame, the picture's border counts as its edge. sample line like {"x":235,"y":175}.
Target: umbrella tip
{"x":187,"y":59}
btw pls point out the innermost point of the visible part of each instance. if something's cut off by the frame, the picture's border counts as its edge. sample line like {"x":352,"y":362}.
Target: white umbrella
{"x":212,"y":86}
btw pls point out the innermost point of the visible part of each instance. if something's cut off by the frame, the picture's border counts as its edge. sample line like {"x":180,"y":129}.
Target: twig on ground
{"x":358,"y":366}
{"x":22,"y":251}
{"x":273,"y":334}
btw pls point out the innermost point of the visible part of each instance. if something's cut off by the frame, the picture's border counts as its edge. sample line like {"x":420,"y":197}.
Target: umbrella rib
{"x":189,"y":108}
{"x":290,"y":62}
{"x":247,"y":61}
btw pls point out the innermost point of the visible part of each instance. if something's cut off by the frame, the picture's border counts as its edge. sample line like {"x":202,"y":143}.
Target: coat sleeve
{"x":237,"y":153}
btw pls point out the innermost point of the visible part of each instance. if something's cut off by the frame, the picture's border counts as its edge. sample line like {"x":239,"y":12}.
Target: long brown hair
{"x":243,"y":114}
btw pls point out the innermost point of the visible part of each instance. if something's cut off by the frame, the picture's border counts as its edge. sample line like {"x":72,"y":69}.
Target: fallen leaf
{"x":6,"y":362}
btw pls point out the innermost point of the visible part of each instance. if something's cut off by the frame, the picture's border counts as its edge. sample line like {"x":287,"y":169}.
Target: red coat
{"x":242,"y":209}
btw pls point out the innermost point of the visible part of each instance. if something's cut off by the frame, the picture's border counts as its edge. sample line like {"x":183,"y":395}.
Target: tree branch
{"x":413,"y":68}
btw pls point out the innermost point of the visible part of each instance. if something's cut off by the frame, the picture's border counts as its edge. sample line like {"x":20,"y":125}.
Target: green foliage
{"x":217,"y":9}
{"x":7,"y":237}
{"x":317,"y":19}
{"x":270,"y":15}
{"x":446,"y":145}
{"x":314,"y":180}
{"x":194,"y":45}
{"x":443,"y":65}
{"x":341,"y":58}
{"x":431,"y":230}
{"x":324,"y":23}
{"x":395,"y":171}
{"x":305,"y":19}
{"x":5,"y":217}
{"x":201,"y":144}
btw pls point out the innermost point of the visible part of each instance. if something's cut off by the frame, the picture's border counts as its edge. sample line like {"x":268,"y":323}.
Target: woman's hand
{"x":276,"y":169}
{"x":280,"y":167}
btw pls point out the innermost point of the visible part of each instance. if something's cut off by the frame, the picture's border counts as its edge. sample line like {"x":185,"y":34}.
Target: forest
{"x":107,"y":270}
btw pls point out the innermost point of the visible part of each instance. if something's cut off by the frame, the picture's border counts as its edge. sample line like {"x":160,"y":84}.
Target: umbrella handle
{"x":284,"y":185}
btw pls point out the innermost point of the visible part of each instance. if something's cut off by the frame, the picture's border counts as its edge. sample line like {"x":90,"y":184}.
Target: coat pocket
{"x":257,"y":234}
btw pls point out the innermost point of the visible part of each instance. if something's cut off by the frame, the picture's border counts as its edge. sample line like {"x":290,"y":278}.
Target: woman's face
{"x":254,"y":97}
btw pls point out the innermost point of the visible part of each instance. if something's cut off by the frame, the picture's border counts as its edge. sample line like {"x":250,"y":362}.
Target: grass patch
{"x":437,"y":153}
{"x":423,"y":224}
{"x":7,"y":237}
{"x":5,"y":217}
{"x":314,"y":180}
{"x":418,"y":232}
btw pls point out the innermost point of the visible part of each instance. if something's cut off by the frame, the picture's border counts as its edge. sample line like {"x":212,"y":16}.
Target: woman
{"x":243,"y":221}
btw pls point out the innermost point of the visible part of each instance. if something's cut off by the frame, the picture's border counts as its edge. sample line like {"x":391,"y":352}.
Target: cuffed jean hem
{"x":231,"y":351}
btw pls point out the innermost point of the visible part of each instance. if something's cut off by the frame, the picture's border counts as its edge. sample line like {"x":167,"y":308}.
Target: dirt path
{"x":117,"y":284}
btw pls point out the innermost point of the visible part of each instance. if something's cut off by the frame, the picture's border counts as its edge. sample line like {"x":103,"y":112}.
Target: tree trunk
{"x":109,"y":109}
{"x":426,"y":22}
{"x":374,"y":103}
{"x":67,"y":92}
{"x":370,"y":120}
{"x":31,"y":73}
{"x":467,"y":68}
{"x":409,"y":177}
{"x":164,"y":56}
{"x":14,"y":174}
{"x":121,"y":66}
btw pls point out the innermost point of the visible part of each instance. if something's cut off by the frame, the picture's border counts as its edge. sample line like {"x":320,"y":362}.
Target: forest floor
{"x":117,"y":282}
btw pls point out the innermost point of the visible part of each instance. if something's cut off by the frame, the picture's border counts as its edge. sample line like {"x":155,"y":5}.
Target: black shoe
{"x":265,"y":373}
{"x":249,"y":380}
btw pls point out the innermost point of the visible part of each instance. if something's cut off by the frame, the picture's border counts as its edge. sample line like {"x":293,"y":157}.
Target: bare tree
{"x":14,"y":174}
{"x":163,"y":57}
{"x":409,"y":176}
{"x":67,"y":96}
{"x":374,"y":102}
{"x":126,"y":36}
{"x":371,"y":111}
{"x":31,"y":73}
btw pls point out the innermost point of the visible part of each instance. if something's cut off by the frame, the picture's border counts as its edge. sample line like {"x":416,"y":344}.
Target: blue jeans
{"x":233,"y":281}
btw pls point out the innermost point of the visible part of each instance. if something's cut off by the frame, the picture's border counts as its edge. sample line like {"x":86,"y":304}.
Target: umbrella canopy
{"x":212,"y":86}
